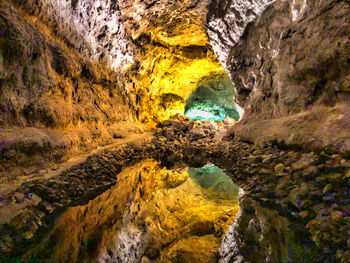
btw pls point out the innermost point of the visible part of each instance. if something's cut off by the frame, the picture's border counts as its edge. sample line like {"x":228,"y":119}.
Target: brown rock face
{"x":291,"y":69}
{"x":73,"y":70}
{"x":45,"y":82}
{"x":78,"y":74}
{"x":53,"y":99}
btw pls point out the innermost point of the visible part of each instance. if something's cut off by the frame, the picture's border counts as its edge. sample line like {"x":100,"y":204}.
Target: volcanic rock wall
{"x":175,"y":56}
{"x":53,"y":98}
{"x":159,"y":50}
{"x":72,"y":71}
{"x":94,"y":28}
{"x":290,"y":68}
{"x":50,"y":75}
{"x":227,"y":21}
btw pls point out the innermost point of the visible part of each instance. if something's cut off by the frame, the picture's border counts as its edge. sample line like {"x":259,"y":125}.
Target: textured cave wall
{"x":54,"y":97}
{"x":94,"y":28}
{"x":71,"y":71}
{"x":175,"y":56}
{"x":157,"y":53}
{"x":158,"y":49}
{"x":63,"y":62}
{"x":44,"y":82}
{"x":227,"y":21}
{"x":290,"y":68}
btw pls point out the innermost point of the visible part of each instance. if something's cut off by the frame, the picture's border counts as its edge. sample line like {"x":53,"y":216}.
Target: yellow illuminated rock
{"x":168,"y":79}
{"x":151,"y":214}
{"x":175,"y":55}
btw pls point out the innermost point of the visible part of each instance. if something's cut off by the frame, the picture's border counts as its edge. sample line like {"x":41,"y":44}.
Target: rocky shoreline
{"x":295,"y":204}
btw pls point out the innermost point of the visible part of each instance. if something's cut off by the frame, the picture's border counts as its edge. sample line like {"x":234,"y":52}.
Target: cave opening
{"x":213,"y":100}
{"x":97,"y":155}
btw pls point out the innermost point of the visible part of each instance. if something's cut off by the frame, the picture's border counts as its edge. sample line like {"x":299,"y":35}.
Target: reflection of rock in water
{"x":212,"y":177}
{"x":152,"y":214}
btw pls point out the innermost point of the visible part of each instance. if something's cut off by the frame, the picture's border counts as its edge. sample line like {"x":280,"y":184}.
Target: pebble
{"x":279,"y":168}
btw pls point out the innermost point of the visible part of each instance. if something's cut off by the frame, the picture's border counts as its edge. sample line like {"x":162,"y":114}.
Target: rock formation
{"x":99,"y":164}
{"x":290,"y":69}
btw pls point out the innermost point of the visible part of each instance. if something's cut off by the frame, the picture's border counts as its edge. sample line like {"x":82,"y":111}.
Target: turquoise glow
{"x":195,"y":114}
{"x":204,"y":109}
{"x":213,"y":101}
{"x":212,"y":177}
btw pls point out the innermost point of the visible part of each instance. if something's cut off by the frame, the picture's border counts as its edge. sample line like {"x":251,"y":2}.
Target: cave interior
{"x":175,"y":131}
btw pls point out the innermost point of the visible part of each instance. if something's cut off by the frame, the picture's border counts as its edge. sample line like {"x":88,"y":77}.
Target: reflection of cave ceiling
{"x":151,"y":214}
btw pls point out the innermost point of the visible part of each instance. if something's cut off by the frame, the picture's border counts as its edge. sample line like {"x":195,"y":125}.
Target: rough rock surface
{"x":46,"y":82}
{"x":290,"y":152}
{"x":53,"y":100}
{"x":159,"y":50}
{"x":291,"y":71}
{"x":227,"y":21}
{"x":175,"y":56}
{"x":95,"y":28}
{"x":294,"y":198}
